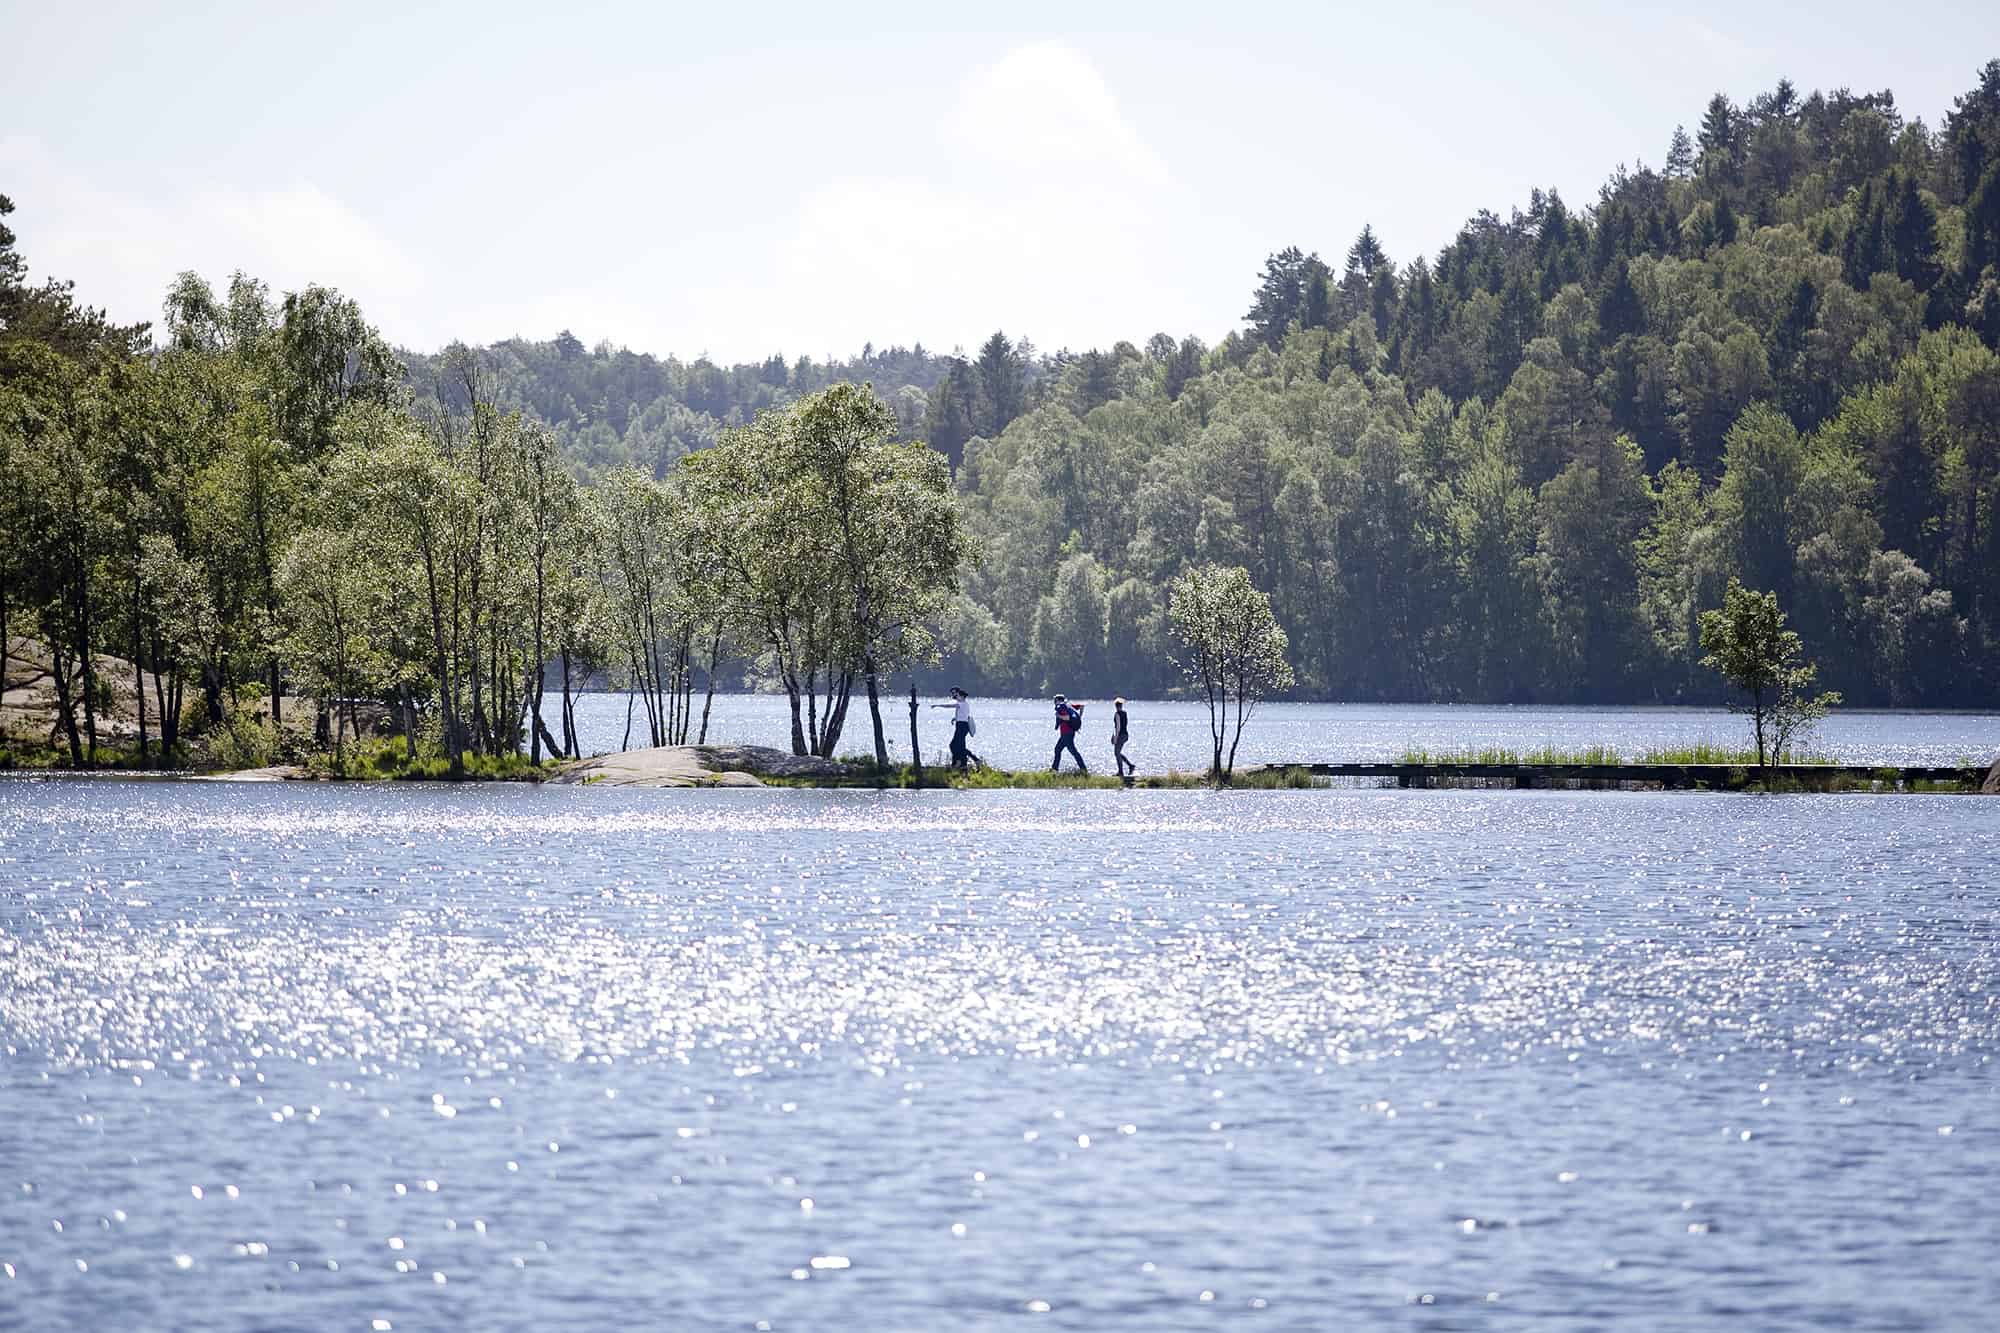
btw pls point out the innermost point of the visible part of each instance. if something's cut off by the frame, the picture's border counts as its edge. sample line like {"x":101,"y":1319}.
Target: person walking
{"x":1121,"y":732}
{"x":1069,"y":718}
{"x":963,"y":728}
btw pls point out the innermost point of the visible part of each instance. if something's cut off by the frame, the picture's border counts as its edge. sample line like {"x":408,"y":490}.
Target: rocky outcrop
{"x":1992,"y":784}
{"x":763,"y":761}
{"x":697,"y":766}
{"x":28,"y":696}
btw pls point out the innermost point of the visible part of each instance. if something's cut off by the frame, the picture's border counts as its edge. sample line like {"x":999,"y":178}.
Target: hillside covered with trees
{"x":1516,"y":470}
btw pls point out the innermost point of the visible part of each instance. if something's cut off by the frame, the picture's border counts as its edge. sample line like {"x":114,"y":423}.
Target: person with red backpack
{"x":1069,"y":718}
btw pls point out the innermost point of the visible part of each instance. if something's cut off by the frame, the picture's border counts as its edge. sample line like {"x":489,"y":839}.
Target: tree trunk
{"x":916,"y":755}
{"x":714,"y":656}
{"x":875,"y":714}
{"x":138,"y":671}
{"x":568,"y":719}
{"x":1230,"y":769}
{"x":65,"y":701}
{"x":167,"y":698}
{"x":89,"y":669}
{"x":211,"y":690}
{"x":798,"y":726}
{"x":626,"y":744}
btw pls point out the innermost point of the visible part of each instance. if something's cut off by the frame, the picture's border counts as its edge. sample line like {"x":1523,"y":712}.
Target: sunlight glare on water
{"x":317,"y":1055}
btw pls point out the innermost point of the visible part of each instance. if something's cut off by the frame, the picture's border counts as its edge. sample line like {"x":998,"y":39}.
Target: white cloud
{"x":125,"y":248}
{"x":1049,"y":219}
{"x":1044,"y":108}
{"x":1035,"y":205}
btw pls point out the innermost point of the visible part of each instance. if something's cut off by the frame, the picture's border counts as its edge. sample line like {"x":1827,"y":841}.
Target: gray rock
{"x":767,"y":762}
{"x":697,"y":766}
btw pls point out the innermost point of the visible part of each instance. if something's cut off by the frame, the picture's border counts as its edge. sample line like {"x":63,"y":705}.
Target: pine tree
{"x":1725,"y":221}
{"x":1718,"y":128}
{"x":1317,"y":310}
{"x":1680,"y":155}
{"x":1913,"y":237}
{"x":1365,"y":255}
{"x":1280,"y":295}
{"x":1002,"y":385}
{"x":1619,"y":310}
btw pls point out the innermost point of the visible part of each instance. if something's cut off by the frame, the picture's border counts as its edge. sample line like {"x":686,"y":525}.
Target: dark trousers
{"x":1067,"y":741}
{"x":960,"y":752}
{"x":1125,"y":766}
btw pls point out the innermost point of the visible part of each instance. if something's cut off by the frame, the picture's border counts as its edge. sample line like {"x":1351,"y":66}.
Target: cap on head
{"x":958,"y":690}
{"x":1062,"y":698}
{"x":1119,"y":702}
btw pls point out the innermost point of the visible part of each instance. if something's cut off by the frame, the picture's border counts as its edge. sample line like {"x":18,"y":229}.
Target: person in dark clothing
{"x":1121,"y":732}
{"x":962,"y":728}
{"x":1068,"y":718}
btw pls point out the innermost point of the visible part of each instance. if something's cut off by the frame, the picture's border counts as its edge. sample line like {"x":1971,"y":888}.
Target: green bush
{"x":241,"y":742}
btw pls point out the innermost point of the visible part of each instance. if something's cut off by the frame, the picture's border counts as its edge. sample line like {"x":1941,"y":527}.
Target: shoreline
{"x":745,"y":766}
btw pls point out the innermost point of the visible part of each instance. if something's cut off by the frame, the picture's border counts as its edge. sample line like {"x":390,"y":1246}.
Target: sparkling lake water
{"x":308,"y":1056}
{"x":1020,"y":733}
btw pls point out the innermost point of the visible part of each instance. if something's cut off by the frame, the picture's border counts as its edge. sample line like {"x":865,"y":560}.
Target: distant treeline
{"x":1518,"y":470}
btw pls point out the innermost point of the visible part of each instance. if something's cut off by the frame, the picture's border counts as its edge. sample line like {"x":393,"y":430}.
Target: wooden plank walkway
{"x":1673,"y":777}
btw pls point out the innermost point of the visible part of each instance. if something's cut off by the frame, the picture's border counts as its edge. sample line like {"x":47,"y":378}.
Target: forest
{"x":1518,"y":470}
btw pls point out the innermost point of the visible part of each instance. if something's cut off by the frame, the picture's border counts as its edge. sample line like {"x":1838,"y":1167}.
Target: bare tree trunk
{"x":167,"y":696}
{"x":626,"y":744}
{"x":89,"y":667}
{"x":813,"y":731}
{"x":138,"y":670}
{"x":714,"y":654}
{"x":798,"y":727}
{"x":536,"y":729}
{"x":875,"y":714}
{"x":568,"y":709}
{"x":916,"y":754}
{"x":65,"y":700}
{"x":840,"y":688}
{"x":1230,"y":771}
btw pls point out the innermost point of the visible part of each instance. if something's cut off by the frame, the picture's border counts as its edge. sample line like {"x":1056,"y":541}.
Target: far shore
{"x":751,"y":766}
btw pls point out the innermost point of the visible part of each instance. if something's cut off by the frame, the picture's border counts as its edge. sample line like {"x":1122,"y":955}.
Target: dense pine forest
{"x":1518,"y":470}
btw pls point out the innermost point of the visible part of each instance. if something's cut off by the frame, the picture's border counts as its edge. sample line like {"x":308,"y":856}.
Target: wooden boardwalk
{"x":1671,"y":777}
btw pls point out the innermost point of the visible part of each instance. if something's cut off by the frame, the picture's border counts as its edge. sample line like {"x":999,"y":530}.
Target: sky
{"x":742,"y":180}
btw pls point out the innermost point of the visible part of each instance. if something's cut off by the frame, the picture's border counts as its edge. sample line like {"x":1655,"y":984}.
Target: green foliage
{"x":1231,"y":649}
{"x":1748,"y":646}
{"x":243,"y":741}
{"x":386,"y":759}
{"x":1521,"y":468}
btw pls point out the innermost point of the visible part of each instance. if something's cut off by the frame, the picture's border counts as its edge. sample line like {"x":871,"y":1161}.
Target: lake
{"x":414,"y":1057}
{"x":1168,"y":735}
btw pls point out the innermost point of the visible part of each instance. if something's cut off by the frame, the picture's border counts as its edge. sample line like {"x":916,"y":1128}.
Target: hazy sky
{"x":748,"y":178}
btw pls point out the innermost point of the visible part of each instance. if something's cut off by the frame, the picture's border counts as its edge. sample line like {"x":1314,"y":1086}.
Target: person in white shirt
{"x":962,"y":728}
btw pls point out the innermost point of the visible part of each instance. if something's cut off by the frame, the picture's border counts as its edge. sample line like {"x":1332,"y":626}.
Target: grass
{"x":1697,"y":752}
{"x":865,"y":774}
{"x":388,"y":758}
{"x":1496,"y":754}
{"x":18,"y":754}
{"x":1708,"y":752}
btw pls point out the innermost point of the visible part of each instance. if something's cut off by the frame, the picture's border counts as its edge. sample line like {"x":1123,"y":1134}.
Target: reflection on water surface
{"x":512,"y":1056}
